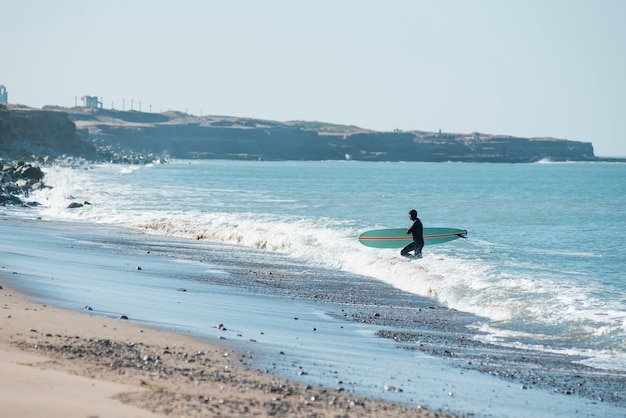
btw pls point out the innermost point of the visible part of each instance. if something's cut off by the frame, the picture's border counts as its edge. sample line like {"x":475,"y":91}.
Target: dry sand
{"x":57,"y":363}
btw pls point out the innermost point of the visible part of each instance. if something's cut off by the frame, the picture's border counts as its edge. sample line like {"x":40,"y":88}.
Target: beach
{"x":59,"y":363}
{"x":271,"y":342}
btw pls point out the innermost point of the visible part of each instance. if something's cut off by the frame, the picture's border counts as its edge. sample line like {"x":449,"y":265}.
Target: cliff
{"x":136,"y":136}
{"x":180,"y":135}
{"x":25,"y":131}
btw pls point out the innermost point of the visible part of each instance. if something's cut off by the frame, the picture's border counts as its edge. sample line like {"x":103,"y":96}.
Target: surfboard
{"x":398,"y":238}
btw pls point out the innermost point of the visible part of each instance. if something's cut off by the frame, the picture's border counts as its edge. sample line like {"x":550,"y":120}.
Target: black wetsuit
{"x":417,"y":229}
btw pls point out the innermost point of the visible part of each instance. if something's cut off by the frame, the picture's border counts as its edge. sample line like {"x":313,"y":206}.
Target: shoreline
{"x":310,"y":324}
{"x":60,"y":357}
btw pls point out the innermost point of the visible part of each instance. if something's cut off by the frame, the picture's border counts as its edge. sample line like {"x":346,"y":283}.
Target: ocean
{"x":542,"y":268}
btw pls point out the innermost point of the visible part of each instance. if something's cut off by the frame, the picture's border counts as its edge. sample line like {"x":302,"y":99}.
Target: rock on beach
{"x":17,"y":180}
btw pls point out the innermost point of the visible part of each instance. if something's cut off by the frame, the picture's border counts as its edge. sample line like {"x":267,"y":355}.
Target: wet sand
{"x":361,"y":339}
{"x":60,"y":363}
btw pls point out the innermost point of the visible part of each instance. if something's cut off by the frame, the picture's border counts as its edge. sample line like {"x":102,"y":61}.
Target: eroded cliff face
{"x":183,"y":136}
{"x":25,"y":131}
{"x":428,"y":146}
{"x":131,"y":136}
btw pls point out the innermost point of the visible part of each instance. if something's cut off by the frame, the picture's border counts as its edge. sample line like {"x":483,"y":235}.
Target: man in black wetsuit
{"x":417,"y":229}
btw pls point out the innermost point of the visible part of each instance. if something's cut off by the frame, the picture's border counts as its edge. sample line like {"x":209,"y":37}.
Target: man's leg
{"x":406,"y":250}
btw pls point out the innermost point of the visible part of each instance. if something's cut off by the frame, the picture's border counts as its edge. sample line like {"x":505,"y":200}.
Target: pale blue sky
{"x":523,"y":68}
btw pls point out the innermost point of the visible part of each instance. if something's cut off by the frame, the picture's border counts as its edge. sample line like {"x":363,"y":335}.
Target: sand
{"x":274,"y":329}
{"x":60,"y":363}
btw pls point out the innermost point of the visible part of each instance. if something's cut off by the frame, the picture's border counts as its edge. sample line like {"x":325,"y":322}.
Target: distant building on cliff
{"x":4,"y":96}
{"x":91,"y":101}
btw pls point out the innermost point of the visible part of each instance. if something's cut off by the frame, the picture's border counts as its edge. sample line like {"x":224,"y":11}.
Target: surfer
{"x":417,"y":229}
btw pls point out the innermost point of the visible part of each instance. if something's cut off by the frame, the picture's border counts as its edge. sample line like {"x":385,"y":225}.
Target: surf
{"x":520,"y":268}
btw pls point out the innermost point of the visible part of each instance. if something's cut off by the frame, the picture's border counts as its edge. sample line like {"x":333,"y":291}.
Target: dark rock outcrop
{"x":18,"y":180}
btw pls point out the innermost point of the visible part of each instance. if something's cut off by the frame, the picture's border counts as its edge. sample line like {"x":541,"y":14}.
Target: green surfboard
{"x":398,"y":238}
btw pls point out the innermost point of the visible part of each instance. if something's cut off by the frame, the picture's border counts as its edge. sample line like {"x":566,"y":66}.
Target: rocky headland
{"x":132,"y":136}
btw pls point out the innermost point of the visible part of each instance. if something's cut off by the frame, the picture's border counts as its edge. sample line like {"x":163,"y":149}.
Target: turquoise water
{"x":543,"y":262}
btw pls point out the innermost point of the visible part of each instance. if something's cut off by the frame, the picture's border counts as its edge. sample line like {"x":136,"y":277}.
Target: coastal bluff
{"x":180,"y":135}
{"x":112,"y":135}
{"x":26,"y":131}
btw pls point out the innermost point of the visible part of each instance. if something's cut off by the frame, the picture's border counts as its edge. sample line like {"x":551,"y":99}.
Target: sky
{"x":528,"y":68}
